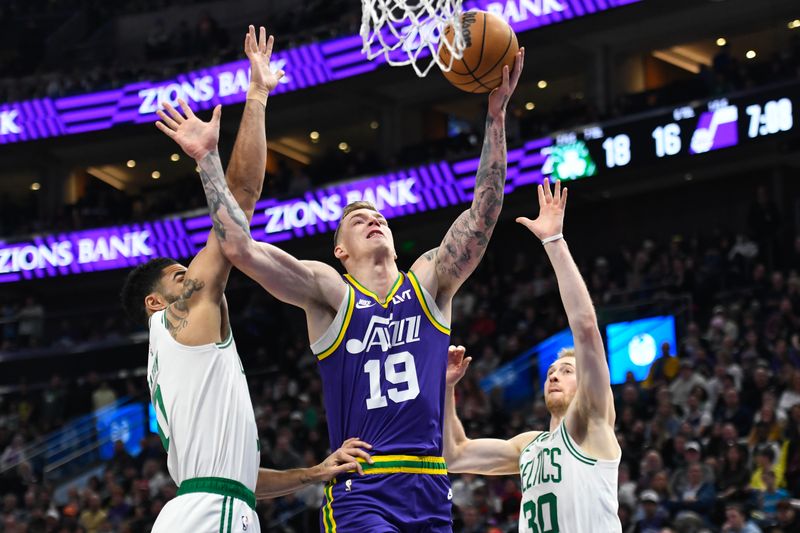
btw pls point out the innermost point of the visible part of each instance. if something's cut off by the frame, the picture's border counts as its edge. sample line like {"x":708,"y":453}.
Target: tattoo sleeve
{"x":466,"y":240}
{"x":230,"y":222}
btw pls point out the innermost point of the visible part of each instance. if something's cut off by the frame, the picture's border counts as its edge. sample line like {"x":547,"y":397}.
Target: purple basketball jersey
{"x":384,"y":374}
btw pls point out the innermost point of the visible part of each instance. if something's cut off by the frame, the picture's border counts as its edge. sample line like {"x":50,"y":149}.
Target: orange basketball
{"x":490,"y":45}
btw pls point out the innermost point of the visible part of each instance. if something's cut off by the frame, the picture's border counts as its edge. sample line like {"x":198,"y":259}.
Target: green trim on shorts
{"x":222,"y":515}
{"x":221,"y":486}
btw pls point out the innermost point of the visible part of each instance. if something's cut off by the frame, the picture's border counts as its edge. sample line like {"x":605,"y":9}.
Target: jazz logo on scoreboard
{"x":716,"y":129}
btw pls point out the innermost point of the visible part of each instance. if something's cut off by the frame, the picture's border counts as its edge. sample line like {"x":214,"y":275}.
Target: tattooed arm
{"x":204,"y":282}
{"x":306,"y":284}
{"x":443,"y":269}
{"x":313,"y":286}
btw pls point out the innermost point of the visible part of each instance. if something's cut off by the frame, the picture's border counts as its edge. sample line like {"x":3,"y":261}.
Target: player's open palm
{"x":259,"y":52}
{"x":457,"y":364}
{"x":552,"y":205}
{"x":195,"y":137}
{"x":499,"y":97}
{"x":345,"y":459}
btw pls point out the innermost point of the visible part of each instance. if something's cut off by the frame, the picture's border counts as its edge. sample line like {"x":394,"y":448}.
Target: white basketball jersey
{"x":564,"y":490}
{"x":203,"y":408}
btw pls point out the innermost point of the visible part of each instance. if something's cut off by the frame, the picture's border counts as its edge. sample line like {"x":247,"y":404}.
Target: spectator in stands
{"x":736,"y":521}
{"x":119,"y":509}
{"x":692,"y":455}
{"x":734,"y":476}
{"x":696,"y":414}
{"x":14,"y":453}
{"x":103,"y":395}
{"x":788,"y":517}
{"x":686,"y":380}
{"x":52,"y":403}
{"x":790,"y":397}
{"x":120,"y":460}
{"x":696,"y":495}
{"x":770,"y":496}
{"x":732,"y":411}
{"x":765,"y":461}
{"x":10,"y":506}
{"x":472,"y":521}
{"x":93,"y":517}
{"x":651,"y":516}
{"x":626,"y":489}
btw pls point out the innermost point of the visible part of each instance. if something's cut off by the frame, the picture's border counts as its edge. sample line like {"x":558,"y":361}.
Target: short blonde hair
{"x":565,"y":352}
{"x":349,"y":208}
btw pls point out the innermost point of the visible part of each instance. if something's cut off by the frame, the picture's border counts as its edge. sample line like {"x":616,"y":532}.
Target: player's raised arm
{"x":276,"y":483}
{"x":302,"y":283}
{"x":475,"y":456}
{"x":443,"y":269}
{"x":593,"y":399}
{"x":245,"y":172}
{"x":204,"y":282}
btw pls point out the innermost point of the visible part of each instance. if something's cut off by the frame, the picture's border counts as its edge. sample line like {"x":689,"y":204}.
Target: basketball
{"x":490,"y":45}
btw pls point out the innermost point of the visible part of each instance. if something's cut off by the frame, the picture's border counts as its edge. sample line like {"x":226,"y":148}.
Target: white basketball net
{"x":409,"y":32}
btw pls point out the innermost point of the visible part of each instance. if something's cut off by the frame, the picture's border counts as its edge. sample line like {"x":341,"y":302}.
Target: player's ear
{"x":339,"y":252}
{"x":155,"y":302}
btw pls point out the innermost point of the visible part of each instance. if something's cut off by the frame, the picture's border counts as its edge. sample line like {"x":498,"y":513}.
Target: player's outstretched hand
{"x":457,"y":364}
{"x":552,"y":205}
{"x":259,"y":51}
{"x":345,"y":459}
{"x":195,"y":137}
{"x":499,"y":97}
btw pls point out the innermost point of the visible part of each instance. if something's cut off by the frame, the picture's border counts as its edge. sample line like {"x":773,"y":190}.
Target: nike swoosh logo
{"x":364,"y":305}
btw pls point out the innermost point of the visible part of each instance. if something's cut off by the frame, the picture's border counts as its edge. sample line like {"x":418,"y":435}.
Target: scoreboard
{"x":687,"y":131}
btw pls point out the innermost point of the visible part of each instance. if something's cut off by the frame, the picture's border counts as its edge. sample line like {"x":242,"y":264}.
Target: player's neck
{"x":555,"y":420}
{"x":378,"y":274}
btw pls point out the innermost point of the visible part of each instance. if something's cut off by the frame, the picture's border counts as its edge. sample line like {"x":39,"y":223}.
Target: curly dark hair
{"x":140,"y":282}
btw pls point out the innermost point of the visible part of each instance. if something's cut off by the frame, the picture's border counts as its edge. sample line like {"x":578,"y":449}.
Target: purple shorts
{"x":387,"y":503}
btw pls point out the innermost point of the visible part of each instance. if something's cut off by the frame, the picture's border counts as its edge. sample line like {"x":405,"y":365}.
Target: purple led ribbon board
{"x":77,"y":252}
{"x":402,"y":193}
{"x":305,"y":66}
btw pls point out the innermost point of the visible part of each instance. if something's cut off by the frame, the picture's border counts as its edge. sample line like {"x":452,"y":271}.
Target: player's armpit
{"x":489,"y":457}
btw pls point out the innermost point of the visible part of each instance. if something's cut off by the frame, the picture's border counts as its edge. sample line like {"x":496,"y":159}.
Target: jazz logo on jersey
{"x":543,"y":468}
{"x":386,"y":333}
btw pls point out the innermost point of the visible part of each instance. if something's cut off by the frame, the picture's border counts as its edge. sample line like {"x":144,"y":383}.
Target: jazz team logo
{"x":716,"y":129}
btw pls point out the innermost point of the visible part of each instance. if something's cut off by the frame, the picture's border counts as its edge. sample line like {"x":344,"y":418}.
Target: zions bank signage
{"x":397,"y":194}
{"x":631,"y":144}
{"x":305,"y":66}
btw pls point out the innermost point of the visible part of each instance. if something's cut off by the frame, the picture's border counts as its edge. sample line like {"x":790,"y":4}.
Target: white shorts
{"x":202,"y":512}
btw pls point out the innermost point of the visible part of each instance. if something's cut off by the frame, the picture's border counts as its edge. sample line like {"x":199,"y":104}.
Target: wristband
{"x":552,"y":238}
{"x":259,"y":96}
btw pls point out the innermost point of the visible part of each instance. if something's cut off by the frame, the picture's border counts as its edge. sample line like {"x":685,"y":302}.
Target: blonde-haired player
{"x":568,"y":473}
